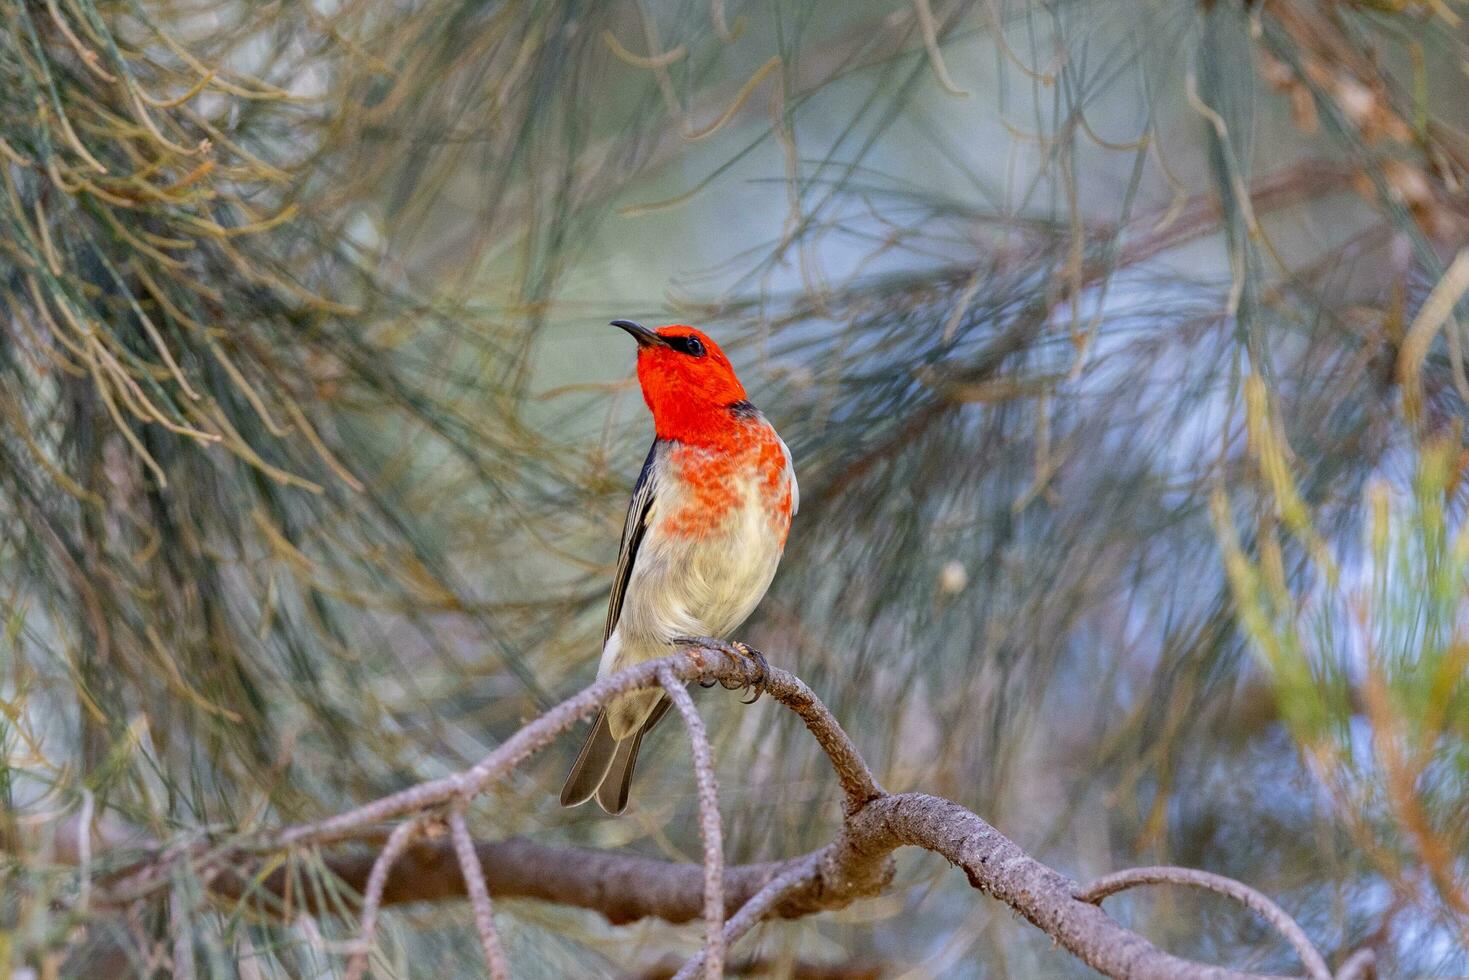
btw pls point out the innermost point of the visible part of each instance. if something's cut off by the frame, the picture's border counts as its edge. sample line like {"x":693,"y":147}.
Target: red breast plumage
{"x":691,"y":399}
{"x":704,"y":532}
{"x":714,"y":482}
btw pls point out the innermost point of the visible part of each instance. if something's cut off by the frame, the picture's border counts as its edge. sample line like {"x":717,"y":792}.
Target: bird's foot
{"x":757,"y":668}
{"x":707,"y":642}
{"x":754,"y":657}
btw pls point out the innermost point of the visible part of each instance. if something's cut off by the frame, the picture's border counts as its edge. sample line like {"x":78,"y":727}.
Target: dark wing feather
{"x":639,"y":512}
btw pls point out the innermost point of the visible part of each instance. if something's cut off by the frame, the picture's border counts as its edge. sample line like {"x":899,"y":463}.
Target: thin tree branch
{"x":1361,"y":965}
{"x":479,"y":896}
{"x":524,"y":743}
{"x":694,"y":664}
{"x":372,"y":898}
{"x":710,"y":830}
{"x":757,"y":908}
{"x":1316,"y":967}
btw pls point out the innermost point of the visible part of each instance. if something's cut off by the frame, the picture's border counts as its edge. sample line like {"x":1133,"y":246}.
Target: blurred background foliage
{"x":1130,"y":445}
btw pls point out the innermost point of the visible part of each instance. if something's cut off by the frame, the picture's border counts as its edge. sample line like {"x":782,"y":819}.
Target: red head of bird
{"x":687,"y":381}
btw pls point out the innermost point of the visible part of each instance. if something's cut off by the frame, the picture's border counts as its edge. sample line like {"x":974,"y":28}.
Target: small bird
{"x":703,"y":536}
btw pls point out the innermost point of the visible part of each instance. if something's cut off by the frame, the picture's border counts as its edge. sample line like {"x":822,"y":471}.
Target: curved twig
{"x":1361,"y":965}
{"x":372,"y":897}
{"x":1111,"y":884}
{"x":851,"y":769}
{"x":479,"y":896}
{"x":929,"y":29}
{"x":758,"y":907}
{"x":750,"y":85}
{"x":710,"y":829}
{"x":659,"y":60}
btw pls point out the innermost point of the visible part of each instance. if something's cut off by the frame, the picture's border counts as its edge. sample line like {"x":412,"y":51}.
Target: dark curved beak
{"x":640,"y":333}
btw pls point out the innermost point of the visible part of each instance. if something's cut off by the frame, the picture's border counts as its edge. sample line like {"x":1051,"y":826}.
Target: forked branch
{"x":856,"y":864}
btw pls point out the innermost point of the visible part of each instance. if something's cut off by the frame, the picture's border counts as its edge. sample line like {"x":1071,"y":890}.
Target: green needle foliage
{"x":1373,"y":680}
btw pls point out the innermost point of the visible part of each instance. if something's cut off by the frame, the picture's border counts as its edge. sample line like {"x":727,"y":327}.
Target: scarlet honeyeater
{"x":703,"y":535}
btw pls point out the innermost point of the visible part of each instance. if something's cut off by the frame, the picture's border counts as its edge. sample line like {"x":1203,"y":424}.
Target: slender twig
{"x":767,"y":898}
{"x":710,"y":830}
{"x":757,"y":908}
{"x":84,"y":849}
{"x":1437,"y":308}
{"x":524,"y":743}
{"x":693,"y":664}
{"x":1361,"y":965}
{"x":479,"y":896}
{"x":929,"y":29}
{"x":372,"y":898}
{"x":1311,"y":959}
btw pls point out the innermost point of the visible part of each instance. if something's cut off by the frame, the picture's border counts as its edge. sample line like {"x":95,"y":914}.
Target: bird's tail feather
{"x":612,"y":794}
{"x":605,"y":765}
{"x":591,"y":764}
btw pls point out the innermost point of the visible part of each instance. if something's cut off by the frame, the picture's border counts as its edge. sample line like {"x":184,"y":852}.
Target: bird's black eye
{"x":692,"y":346}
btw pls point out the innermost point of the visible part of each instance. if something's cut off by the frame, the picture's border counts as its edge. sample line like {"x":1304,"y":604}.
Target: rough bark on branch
{"x":625,"y":888}
{"x":857,"y":864}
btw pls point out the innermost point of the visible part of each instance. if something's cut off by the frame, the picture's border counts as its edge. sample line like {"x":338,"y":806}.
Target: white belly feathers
{"x":694,"y":585}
